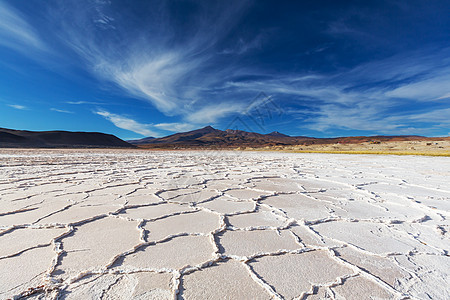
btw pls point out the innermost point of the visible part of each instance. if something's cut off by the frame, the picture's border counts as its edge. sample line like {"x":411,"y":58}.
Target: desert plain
{"x":137,"y":224}
{"x":416,"y":147}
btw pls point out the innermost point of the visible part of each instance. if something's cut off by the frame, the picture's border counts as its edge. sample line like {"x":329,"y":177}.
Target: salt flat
{"x":129,"y":224}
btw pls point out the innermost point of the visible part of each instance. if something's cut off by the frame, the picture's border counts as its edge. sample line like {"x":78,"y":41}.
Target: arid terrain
{"x":419,"y":147}
{"x":139,"y":224}
{"x":211,"y":138}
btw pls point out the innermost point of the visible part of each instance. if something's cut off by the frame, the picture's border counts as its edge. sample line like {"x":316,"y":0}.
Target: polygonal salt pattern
{"x":125,"y":224}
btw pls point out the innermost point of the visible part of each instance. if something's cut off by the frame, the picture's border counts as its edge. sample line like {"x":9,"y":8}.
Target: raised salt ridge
{"x":127,"y":224}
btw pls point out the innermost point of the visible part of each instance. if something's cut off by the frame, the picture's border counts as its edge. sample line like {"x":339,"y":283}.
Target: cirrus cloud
{"x":127,"y":123}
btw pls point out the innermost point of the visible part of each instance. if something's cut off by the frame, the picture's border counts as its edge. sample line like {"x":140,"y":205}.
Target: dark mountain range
{"x":208,"y":137}
{"x":10,"y":138}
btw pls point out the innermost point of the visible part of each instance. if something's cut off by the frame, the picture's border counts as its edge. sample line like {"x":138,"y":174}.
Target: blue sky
{"x":152,"y":68}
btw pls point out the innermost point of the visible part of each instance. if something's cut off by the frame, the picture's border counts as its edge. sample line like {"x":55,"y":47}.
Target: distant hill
{"x":10,"y":138}
{"x":209,"y":137}
{"x":141,"y":141}
{"x":278,"y":134}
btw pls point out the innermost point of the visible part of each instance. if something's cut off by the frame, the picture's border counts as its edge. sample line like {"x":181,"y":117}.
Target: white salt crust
{"x":91,"y":224}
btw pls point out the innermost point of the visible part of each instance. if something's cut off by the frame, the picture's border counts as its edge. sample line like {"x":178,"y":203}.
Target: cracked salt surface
{"x":93,"y":224}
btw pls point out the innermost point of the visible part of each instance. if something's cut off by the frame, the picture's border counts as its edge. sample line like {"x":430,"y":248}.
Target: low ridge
{"x":10,"y":138}
{"x":209,"y":137}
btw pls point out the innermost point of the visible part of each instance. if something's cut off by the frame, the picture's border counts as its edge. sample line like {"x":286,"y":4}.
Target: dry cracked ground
{"x":222,"y":225}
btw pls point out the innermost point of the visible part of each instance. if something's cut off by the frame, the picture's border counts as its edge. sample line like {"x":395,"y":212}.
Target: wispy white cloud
{"x":182,"y":72}
{"x":155,"y":79}
{"x":441,"y":116}
{"x":15,"y":32}
{"x":176,"y":127}
{"x":242,"y":46}
{"x":433,"y":88}
{"x":211,"y":113}
{"x":127,"y":123}
{"x":446,"y":96}
{"x":82,"y":102}
{"x":351,"y":118}
{"x":367,"y":97}
{"x":62,"y":110}
{"x":17,"y":106}
{"x":164,"y":67}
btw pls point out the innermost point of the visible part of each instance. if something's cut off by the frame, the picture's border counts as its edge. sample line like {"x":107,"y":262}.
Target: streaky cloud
{"x":61,"y":110}
{"x":164,"y":67}
{"x":176,"y":127}
{"x":82,"y":102}
{"x":211,"y":113}
{"x":127,"y":123}
{"x":16,"y":33}
{"x":17,"y":106}
{"x":203,"y":63}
